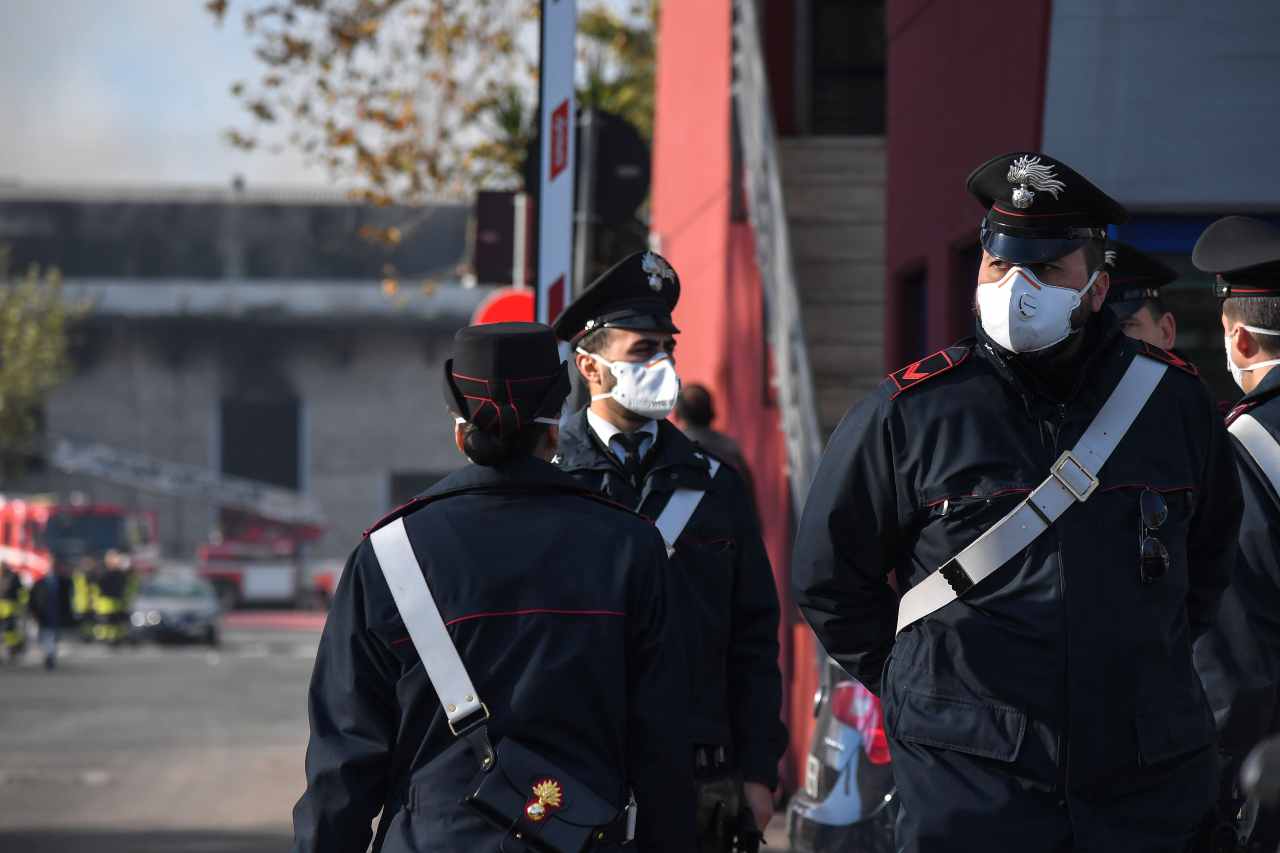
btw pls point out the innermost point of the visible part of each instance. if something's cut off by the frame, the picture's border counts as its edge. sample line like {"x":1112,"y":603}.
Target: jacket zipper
{"x":1064,"y":734}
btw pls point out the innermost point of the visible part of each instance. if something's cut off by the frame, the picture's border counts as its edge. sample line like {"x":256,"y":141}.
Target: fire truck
{"x":32,"y":527}
{"x":259,"y":554}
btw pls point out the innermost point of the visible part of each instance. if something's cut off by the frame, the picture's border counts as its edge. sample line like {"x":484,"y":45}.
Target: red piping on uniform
{"x":1000,"y":209}
{"x":1163,"y":491}
{"x":1004,"y":492}
{"x":531,"y":612}
{"x":998,"y":494}
{"x":536,"y":611}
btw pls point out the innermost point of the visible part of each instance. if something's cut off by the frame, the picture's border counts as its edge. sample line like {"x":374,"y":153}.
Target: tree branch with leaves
{"x":34,"y":321}
{"x":404,"y":100}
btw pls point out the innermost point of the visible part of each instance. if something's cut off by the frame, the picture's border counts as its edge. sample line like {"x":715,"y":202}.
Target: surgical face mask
{"x":1023,"y":314}
{"x":647,"y":389}
{"x":1238,"y":372}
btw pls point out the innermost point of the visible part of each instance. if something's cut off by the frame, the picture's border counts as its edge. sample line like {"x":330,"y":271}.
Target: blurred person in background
{"x":559,"y":605}
{"x":623,"y":447}
{"x":694,"y":414}
{"x":51,"y":603}
{"x":1134,"y":296}
{"x":110,"y":601}
{"x":13,"y":600}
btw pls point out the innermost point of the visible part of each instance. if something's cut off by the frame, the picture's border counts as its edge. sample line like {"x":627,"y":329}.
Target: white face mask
{"x":649,"y":389}
{"x":1237,"y":372}
{"x":1023,"y":314}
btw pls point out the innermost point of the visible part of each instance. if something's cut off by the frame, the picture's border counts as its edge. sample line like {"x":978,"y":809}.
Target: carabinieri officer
{"x":1239,"y":660}
{"x":1058,"y":503}
{"x":556,"y":603}
{"x":623,"y":447}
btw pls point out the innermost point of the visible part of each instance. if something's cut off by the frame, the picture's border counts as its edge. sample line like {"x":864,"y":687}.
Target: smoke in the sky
{"x":127,"y":92}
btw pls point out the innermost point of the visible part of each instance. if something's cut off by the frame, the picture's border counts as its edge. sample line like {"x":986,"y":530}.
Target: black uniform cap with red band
{"x":1039,"y":208}
{"x":1135,"y":278}
{"x":504,"y":375}
{"x":1244,"y":254}
{"x":639,"y":292}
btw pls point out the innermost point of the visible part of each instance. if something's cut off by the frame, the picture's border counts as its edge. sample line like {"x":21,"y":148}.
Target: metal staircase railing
{"x":139,"y":470}
{"x":793,"y":378}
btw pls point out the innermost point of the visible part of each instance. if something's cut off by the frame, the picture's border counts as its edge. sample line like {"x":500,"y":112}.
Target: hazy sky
{"x":132,"y":92}
{"x":126,"y":92}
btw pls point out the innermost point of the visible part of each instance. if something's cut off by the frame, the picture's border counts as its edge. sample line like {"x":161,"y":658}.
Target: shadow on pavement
{"x":141,"y":841}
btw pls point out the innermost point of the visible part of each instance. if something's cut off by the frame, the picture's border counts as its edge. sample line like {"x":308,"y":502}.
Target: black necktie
{"x":630,"y":443}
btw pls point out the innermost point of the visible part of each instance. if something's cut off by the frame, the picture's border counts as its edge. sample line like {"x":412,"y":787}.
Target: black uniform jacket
{"x":1239,"y":660}
{"x":1063,"y":660}
{"x":731,"y":604}
{"x":558,"y":603}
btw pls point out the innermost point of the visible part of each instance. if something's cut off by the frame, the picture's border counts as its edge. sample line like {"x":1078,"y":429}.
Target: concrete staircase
{"x":834,"y":191}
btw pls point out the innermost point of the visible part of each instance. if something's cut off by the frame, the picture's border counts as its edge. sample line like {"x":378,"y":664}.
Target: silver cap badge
{"x":658,"y":269}
{"x":1028,"y":172}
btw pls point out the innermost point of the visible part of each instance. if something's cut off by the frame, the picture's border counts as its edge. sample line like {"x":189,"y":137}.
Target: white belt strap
{"x":1074,"y":477}
{"x":675,"y":516}
{"x":1261,"y":446}
{"x":426,"y":628}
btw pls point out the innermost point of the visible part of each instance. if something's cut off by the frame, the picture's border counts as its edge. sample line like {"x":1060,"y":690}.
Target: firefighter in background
{"x":111,"y":596}
{"x":13,"y":606}
{"x":82,"y":584}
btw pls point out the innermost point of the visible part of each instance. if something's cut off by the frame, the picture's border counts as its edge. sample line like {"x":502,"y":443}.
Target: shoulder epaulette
{"x":399,"y":512}
{"x":928,"y":367}
{"x":1170,"y":358}
{"x":420,"y":501}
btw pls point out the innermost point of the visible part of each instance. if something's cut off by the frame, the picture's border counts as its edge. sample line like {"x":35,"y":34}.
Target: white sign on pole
{"x":555,"y":198}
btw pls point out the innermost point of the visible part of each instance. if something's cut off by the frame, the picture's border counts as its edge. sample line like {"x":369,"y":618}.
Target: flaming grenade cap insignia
{"x":658,"y":269}
{"x":548,"y":797}
{"x":1028,"y":171}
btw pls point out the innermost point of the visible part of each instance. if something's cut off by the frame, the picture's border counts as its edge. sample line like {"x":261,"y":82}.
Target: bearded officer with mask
{"x":622,"y":446}
{"x":1239,"y":660}
{"x":1058,"y":504}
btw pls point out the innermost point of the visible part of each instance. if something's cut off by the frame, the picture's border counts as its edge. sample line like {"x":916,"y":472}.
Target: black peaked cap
{"x":503,"y":375}
{"x":1135,"y":278}
{"x":1244,"y":253}
{"x":1039,"y":208}
{"x":638,"y":292}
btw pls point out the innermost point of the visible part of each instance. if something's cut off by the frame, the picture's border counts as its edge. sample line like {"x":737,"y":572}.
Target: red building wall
{"x":962,"y":88}
{"x":721,"y":302}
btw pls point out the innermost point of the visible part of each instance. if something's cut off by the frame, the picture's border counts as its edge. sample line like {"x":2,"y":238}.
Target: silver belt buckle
{"x":1069,"y":471}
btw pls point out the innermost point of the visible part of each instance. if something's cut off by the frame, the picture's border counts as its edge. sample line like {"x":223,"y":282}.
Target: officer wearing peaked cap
{"x":1134,"y":295}
{"x":1239,"y":660}
{"x":623,"y":447}
{"x":512,"y":701}
{"x":1057,"y":502}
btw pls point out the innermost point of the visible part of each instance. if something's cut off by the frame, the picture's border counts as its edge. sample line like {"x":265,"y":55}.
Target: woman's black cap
{"x":639,"y":292}
{"x":1039,"y":208}
{"x":1244,"y":253}
{"x":504,"y":375}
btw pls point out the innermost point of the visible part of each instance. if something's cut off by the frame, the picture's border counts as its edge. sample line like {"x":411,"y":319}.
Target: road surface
{"x":156,"y":749}
{"x":160,"y":749}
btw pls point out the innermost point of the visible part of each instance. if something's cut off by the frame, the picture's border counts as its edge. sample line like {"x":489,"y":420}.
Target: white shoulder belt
{"x":426,"y":628}
{"x":1074,"y":477}
{"x":675,"y":516}
{"x":1261,"y":446}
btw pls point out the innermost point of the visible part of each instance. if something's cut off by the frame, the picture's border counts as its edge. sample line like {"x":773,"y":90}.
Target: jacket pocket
{"x":1177,"y":730}
{"x":974,"y":728}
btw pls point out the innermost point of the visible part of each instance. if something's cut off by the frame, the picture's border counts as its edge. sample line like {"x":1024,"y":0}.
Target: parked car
{"x":176,"y":607}
{"x":848,"y":802}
